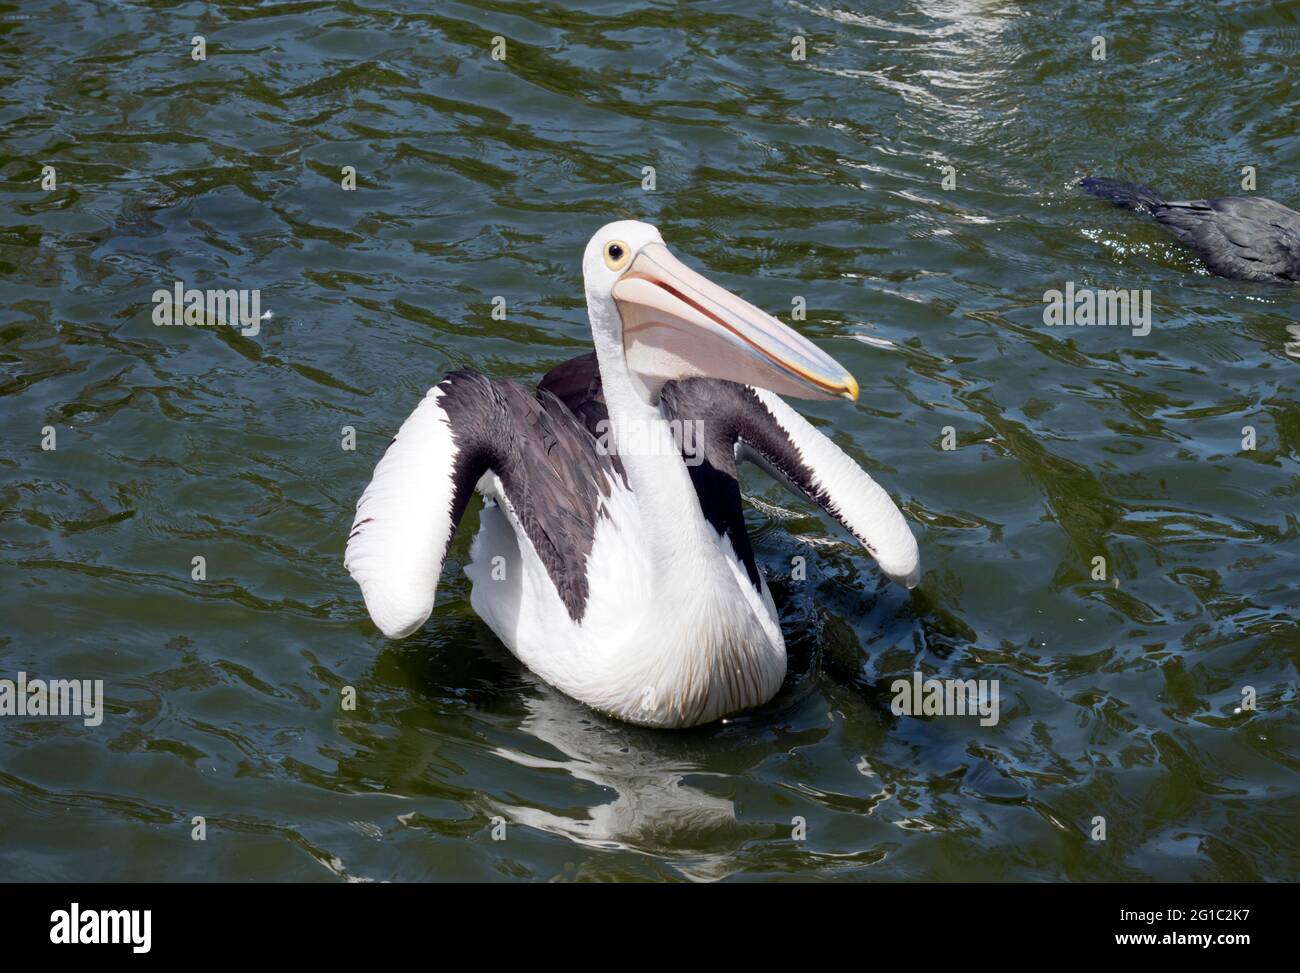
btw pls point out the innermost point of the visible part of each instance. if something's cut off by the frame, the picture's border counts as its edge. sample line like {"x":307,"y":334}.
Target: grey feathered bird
{"x":1242,"y":237}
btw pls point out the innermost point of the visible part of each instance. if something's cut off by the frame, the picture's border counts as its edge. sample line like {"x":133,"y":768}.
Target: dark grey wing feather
{"x":576,"y":383}
{"x":553,"y":475}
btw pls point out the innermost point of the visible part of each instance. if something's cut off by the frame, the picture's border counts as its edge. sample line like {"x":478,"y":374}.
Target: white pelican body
{"x":611,"y":559}
{"x":673,"y":634}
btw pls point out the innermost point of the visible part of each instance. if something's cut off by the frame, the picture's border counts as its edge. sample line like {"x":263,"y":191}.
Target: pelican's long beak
{"x":677,"y":324}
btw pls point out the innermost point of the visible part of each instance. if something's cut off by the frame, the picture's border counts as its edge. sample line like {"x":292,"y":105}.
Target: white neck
{"x":651,"y":457}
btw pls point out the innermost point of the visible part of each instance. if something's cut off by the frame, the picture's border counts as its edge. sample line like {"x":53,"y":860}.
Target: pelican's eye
{"x":616,"y":255}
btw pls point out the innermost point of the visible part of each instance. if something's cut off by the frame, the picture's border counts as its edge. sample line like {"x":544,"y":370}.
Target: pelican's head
{"x":671,"y":323}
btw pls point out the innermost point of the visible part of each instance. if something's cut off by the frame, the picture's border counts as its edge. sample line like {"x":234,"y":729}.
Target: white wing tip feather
{"x":903,"y":567}
{"x":403,"y":522}
{"x":392,"y":616}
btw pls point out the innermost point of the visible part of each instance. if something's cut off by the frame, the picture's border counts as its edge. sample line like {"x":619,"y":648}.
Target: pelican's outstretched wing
{"x":743,"y":423}
{"x":738,"y":422}
{"x":549,"y":478}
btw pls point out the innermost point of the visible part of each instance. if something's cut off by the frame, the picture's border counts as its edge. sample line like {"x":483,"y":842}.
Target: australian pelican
{"x":607,"y":560}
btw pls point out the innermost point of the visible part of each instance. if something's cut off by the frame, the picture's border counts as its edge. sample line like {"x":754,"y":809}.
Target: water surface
{"x":477,"y":178}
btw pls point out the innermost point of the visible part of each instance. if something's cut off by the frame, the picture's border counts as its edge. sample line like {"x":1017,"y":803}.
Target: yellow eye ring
{"x":616,"y":255}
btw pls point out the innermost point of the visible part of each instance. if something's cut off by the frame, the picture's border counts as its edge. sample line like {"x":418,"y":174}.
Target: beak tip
{"x":851,"y":388}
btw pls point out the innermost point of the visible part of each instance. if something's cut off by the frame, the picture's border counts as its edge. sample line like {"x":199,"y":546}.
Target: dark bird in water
{"x":1242,"y":237}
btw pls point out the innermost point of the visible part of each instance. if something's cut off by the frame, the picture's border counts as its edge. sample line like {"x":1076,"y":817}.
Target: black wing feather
{"x":550,"y":468}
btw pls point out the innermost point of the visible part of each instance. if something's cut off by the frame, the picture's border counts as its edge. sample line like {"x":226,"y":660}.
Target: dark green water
{"x":478,"y":178}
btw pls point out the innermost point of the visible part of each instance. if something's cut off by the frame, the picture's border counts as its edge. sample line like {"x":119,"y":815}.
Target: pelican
{"x":611,"y":557}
